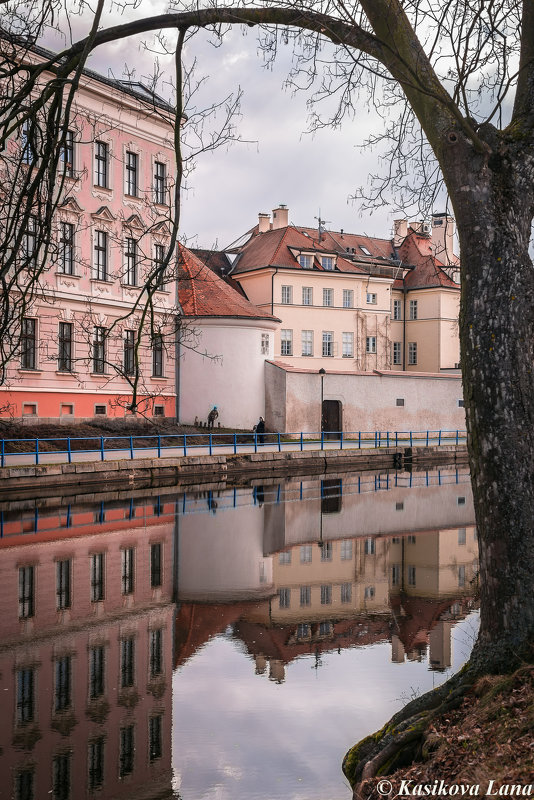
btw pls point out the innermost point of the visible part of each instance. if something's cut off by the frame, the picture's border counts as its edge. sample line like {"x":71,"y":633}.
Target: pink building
{"x":79,"y":345}
{"x":86,"y":655}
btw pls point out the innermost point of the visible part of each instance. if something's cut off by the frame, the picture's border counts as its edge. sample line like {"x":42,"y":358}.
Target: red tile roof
{"x":428,"y":271}
{"x":203,"y":294}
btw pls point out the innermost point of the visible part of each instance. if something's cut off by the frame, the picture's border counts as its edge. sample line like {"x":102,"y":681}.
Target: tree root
{"x":402,"y":739}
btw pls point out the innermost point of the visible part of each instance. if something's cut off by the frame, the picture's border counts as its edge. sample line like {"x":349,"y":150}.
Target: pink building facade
{"x":86,"y":655}
{"x":79,"y":336}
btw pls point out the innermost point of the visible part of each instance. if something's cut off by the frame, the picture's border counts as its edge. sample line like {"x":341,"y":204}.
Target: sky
{"x":313,"y":175}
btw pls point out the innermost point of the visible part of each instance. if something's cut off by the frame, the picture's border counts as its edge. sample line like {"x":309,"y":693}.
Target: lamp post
{"x":322,"y":373}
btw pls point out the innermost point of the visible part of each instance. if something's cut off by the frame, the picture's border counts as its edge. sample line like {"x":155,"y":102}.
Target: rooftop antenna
{"x":321,"y":224}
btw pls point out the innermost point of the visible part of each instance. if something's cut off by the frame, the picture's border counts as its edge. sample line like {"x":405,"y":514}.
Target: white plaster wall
{"x":230,"y":376}
{"x":369,"y":401}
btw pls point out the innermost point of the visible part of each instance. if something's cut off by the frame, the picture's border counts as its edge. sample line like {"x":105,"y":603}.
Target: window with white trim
{"x":327,"y":262}
{"x":305,"y":261}
{"x":287,"y":295}
{"x":66,"y":248}
{"x":160,"y":182}
{"x":412,"y":353}
{"x":371,"y":298}
{"x":413,"y":309}
{"x":264,"y":344}
{"x":397,"y":309}
{"x":307,"y":296}
{"x":286,"y":342}
{"x":101,"y":170}
{"x":131,"y":256}
{"x":348,"y":298}
{"x":370,"y":344}
{"x":328,"y":297}
{"x":307,"y":343}
{"x":397,"y":353}
{"x":100,"y":255}
{"x":348,"y":344}
{"x":328,"y":344}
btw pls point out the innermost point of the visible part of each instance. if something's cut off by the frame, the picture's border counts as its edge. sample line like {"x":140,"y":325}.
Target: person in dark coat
{"x":212,"y":416}
{"x":260,"y":430}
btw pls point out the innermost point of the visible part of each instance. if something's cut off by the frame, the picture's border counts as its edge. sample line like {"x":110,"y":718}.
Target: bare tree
{"x":464,"y":73}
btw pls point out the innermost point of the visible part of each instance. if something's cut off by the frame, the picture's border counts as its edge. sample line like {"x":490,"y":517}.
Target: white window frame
{"x":370,"y":344}
{"x":287,"y":295}
{"x":413,"y":309}
{"x":328,"y":344}
{"x":265,"y":344}
{"x":327,"y":262}
{"x":307,"y":296}
{"x":348,"y":344}
{"x":397,"y":310}
{"x":305,"y":261}
{"x":307,"y":343}
{"x":371,"y":298}
{"x":412,"y":353}
{"x":328,"y":298}
{"x":396,"y":353}
{"x":348,"y":298}
{"x":286,"y":342}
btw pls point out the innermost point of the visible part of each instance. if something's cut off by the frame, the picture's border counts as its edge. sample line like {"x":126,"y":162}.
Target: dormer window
{"x":327,"y":262}
{"x":305,"y":261}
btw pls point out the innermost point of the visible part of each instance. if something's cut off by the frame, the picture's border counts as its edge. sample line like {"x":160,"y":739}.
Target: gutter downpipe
{"x":272,"y":290}
{"x":404,"y":327}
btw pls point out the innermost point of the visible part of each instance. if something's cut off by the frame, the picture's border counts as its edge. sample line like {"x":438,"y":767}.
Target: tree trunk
{"x":493,"y":209}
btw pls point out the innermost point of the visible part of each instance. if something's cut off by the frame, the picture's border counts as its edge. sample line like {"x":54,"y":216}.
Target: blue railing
{"x":158,"y":445}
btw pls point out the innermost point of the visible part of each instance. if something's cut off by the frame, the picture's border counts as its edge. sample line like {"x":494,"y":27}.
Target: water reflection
{"x":284,"y":610}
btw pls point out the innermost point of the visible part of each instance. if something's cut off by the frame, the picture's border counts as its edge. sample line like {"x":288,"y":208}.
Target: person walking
{"x":260,"y":430}
{"x":212,"y":416}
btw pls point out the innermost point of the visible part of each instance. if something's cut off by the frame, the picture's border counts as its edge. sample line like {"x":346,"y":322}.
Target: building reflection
{"x":86,"y":654}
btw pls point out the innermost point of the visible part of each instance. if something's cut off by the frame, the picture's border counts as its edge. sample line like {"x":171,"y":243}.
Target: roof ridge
{"x":280,"y":242}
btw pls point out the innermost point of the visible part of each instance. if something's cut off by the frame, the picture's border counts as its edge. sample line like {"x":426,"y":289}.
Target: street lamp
{"x":322,"y":373}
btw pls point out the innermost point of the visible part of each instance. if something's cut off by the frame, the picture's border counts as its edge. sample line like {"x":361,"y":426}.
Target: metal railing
{"x":160,"y":445}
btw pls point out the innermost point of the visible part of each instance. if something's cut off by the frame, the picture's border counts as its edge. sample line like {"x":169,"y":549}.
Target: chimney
{"x":280,"y":216}
{"x":443,"y":230}
{"x":264,"y":222}
{"x":400,"y":231}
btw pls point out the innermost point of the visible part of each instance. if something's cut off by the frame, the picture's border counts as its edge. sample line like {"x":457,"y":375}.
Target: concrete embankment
{"x":180,"y":470}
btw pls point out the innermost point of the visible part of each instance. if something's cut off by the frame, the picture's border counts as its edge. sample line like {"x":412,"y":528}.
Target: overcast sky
{"x":282,"y":164}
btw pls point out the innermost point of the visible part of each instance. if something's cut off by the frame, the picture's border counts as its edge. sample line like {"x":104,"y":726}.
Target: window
{"x":24,"y":785}
{"x":365,"y":250}
{"x":306,"y":261}
{"x":461,"y":536}
{"x":95,"y":758}
{"x":99,"y":350}
{"x":307,"y":343}
{"x":412,"y":539}
{"x":305,"y":595}
{"x":412,"y":353}
{"x":28,"y":343}
{"x":397,"y":309}
{"x":156,"y":652}
{"x":346,"y":549}
{"x":286,"y":343}
{"x":460,"y":501}
{"x":399,"y":505}
{"x":307,"y":296}
{"x":96,"y":672}
{"x":155,"y":565}
{"x":154,"y":737}
{"x":348,"y":298}
{"x":29,"y":242}
{"x":64,"y":363}
{"x":265,"y":342}
{"x":303,"y":629}
{"x":326,"y":594}
{"x":284,"y":557}
{"x":159,"y":267}
{"x":67,"y":155}
{"x":328,"y":343}
{"x":328,"y":297}
{"x":287,"y":295}
{"x":26,"y":592}
{"x":346,"y":592}
{"x":395,"y":574}
{"x":411,"y":575}
{"x":129,"y":352}
{"x":461,"y":403}
{"x":305,"y":554}
{"x":61,"y":777}
{"x":461,"y":576}
{"x":413,"y":309}
{"x":327,"y":262}
{"x":127,"y":570}
{"x":369,"y":592}
{"x":399,"y":401}
{"x":100,"y":258}
{"x":66,"y":248}
{"x":126,"y":751}
{"x":25,"y":696}
{"x":371,"y":298}
{"x":348,"y":345}
{"x":325,"y":628}
{"x":326,"y":551}
{"x":28,"y":141}
{"x":160,"y":181}
{"x":101,"y":164}
{"x":397,"y":353}
{"x":131,"y":174}
{"x":370,"y":344}
{"x":63,"y":683}
{"x":97,"y":577}
{"x":284,"y":598}
{"x":127,"y":662}
{"x":369,"y":546}
{"x":63,"y":584}
{"x":157,"y":355}
{"x":131,"y":256}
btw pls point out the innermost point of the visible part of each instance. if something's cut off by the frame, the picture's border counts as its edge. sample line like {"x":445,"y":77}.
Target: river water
{"x":225,"y":643}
